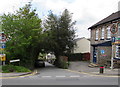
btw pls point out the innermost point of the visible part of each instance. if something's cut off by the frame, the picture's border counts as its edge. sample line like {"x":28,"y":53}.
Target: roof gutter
{"x":103,"y":23}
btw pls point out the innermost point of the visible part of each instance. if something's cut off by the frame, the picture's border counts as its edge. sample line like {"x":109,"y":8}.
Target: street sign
{"x":102,"y":51}
{"x":113,"y":29}
{"x":117,"y":42}
{"x":113,"y":35}
{"x":14,"y":60}
{"x":3,"y":46}
{"x":2,"y":37}
{"x":113,"y":39}
{"x":118,"y":39}
{"x":2,"y":57}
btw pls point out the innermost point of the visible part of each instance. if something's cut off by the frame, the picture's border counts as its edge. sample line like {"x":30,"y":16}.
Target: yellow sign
{"x":115,"y":43}
{"x":3,"y":57}
{"x":1,"y":49}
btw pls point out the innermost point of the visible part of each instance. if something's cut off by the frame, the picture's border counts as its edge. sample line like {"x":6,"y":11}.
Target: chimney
{"x":119,"y":6}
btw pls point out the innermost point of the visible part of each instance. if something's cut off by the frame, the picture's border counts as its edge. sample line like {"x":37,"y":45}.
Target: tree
{"x":61,"y":33}
{"x":24,"y":33}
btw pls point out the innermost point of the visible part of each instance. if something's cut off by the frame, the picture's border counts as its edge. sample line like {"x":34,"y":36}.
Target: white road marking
{"x":86,"y":76}
{"x":46,"y":76}
{"x":60,"y":76}
{"x":74,"y":76}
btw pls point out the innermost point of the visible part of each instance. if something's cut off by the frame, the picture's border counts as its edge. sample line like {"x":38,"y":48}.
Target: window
{"x":118,"y":29}
{"x":102,"y":33}
{"x":117,"y":51}
{"x":96,"y":36}
{"x":108,"y":32}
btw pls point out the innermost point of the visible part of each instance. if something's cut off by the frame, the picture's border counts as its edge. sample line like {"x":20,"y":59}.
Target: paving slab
{"x":83,"y":66}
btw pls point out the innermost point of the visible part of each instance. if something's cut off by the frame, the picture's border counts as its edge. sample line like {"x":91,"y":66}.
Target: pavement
{"x":83,"y":66}
{"x":78,"y":66}
{"x":14,"y":74}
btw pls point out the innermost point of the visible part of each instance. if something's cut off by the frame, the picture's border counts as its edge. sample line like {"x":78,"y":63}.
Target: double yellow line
{"x":33,"y":73}
{"x":91,"y":73}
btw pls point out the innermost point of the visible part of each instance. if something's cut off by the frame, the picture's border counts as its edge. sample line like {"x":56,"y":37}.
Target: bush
{"x":12,"y":68}
{"x":63,"y":64}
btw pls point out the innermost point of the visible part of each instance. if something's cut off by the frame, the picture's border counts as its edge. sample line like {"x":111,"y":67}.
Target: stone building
{"x":105,"y":40}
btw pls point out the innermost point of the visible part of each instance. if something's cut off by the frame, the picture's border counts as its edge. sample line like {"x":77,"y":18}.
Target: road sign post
{"x":2,"y":47}
{"x":112,"y":63}
{"x":113,"y":30}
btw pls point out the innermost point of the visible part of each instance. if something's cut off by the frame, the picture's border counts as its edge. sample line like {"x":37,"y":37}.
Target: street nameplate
{"x":14,"y":60}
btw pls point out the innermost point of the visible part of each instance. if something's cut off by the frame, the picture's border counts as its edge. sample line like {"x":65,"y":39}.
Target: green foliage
{"x":42,"y":56}
{"x":61,"y":33}
{"x":11,"y":68}
{"x":63,"y":64}
{"x":24,"y":33}
{"x":26,"y":38}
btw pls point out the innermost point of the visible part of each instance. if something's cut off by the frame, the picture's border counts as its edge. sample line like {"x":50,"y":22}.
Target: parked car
{"x":39,"y":63}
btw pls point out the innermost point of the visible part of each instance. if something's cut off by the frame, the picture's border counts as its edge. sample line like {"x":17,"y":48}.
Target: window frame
{"x":108,"y":32}
{"x":117,"y":46}
{"x":102,"y":33}
{"x":96,"y":34}
{"x":118,"y":27}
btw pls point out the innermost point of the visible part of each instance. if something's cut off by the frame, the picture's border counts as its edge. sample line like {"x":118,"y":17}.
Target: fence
{"x":78,"y":56}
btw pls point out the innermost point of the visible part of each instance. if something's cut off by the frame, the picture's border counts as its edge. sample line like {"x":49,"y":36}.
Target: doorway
{"x":94,"y":54}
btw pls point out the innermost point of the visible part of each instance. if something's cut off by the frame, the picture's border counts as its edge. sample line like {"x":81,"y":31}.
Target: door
{"x":94,"y":54}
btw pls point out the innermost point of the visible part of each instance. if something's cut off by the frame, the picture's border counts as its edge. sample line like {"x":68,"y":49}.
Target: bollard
{"x":101,"y":69}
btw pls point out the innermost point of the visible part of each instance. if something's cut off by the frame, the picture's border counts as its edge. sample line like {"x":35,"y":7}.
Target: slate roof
{"x":112,"y":17}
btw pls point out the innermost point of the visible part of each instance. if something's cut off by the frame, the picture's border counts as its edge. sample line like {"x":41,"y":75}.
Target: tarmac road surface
{"x":51,"y":75}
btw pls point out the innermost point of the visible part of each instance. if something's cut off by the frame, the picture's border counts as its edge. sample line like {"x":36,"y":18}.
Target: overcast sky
{"x":85,"y":12}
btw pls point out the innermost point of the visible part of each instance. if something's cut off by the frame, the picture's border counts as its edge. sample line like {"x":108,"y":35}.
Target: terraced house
{"x":105,"y":40}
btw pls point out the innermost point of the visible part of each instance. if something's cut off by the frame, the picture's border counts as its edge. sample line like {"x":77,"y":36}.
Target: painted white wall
{"x":82,"y":46}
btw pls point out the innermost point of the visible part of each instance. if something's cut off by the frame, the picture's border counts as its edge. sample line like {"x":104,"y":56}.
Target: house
{"x":105,"y":40}
{"x":50,"y":57}
{"x":82,"y":45}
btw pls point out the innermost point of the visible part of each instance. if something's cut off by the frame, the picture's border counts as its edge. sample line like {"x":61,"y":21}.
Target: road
{"x":51,"y":75}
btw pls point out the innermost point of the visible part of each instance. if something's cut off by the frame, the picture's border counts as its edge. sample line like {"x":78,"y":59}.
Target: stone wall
{"x":104,"y":58}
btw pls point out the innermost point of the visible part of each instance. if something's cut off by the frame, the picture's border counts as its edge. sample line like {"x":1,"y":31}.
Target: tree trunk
{"x":56,"y":63}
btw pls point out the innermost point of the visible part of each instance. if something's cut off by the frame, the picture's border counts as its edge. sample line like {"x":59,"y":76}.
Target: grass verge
{"x":12,"y":68}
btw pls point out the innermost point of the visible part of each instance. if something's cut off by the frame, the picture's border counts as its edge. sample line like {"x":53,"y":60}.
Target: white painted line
{"x":60,"y":76}
{"x":74,"y":76}
{"x":46,"y":76}
{"x":86,"y":76}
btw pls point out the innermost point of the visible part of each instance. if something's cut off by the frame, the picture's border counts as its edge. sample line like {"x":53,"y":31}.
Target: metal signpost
{"x":2,"y":47}
{"x":113,"y":41}
{"x":113,"y":31}
{"x":112,"y":59}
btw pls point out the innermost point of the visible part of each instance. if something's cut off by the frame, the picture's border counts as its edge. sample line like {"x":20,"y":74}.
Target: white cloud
{"x":11,"y":5}
{"x":85,"y":12}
